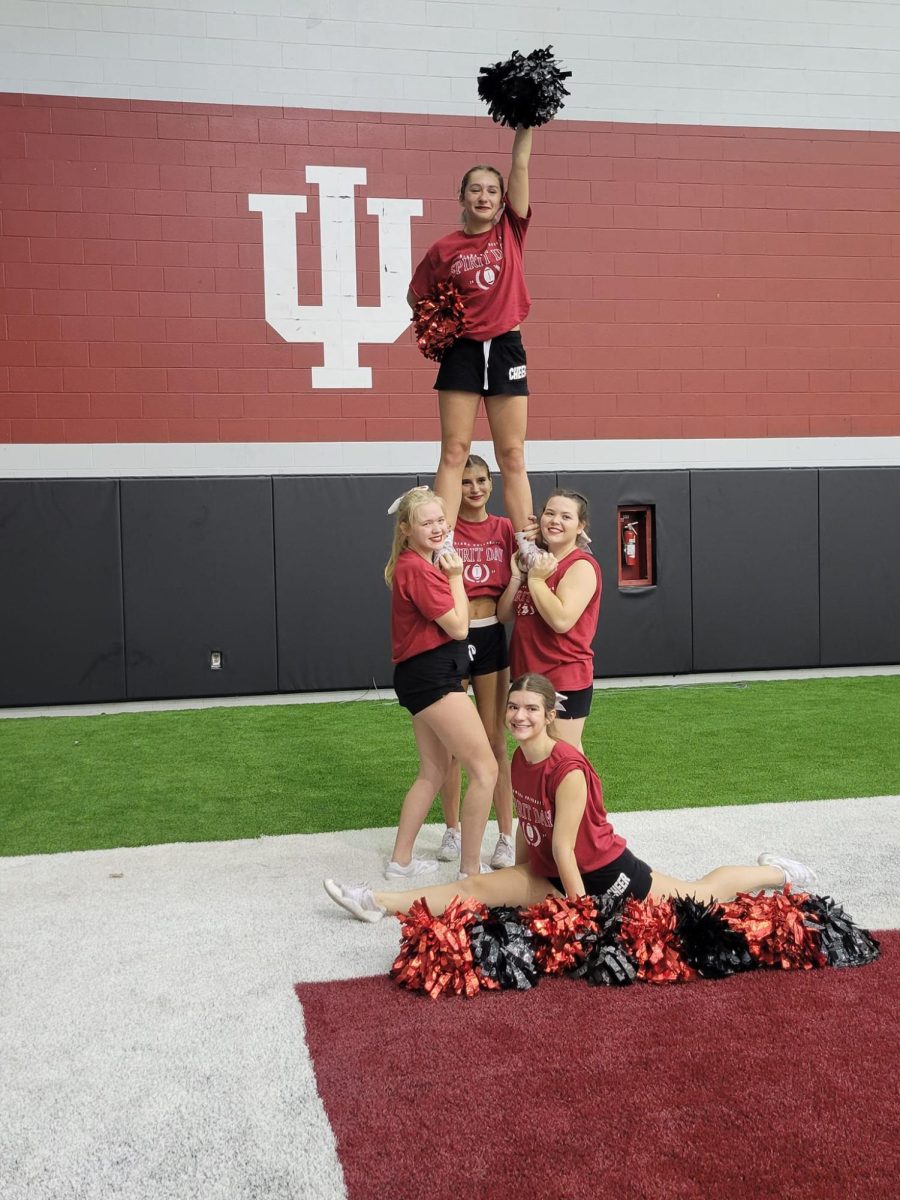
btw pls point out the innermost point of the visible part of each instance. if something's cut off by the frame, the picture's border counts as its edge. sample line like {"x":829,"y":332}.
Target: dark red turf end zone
{"x":765,"y":1085}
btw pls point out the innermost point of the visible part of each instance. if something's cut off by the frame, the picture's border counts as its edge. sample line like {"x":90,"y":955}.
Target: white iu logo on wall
{"x":340,"y":323}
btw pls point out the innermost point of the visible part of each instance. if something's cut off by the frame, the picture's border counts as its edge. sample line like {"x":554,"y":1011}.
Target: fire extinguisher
{"x":629,"y":543}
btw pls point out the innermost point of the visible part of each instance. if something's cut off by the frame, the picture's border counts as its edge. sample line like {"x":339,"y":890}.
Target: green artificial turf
{"x":75,"y":783}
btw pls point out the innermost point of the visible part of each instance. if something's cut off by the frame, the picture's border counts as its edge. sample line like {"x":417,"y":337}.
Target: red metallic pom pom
{"x":435,"y":952}
{"x":779,"y":932}
{"x":558,"y":924}
{"x":648,"y":933}
{"x":438,"y":320}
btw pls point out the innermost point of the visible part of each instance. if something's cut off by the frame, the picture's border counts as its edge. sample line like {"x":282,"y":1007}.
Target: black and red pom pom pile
{"x":612,"y":942}
{"x":524,"y":90}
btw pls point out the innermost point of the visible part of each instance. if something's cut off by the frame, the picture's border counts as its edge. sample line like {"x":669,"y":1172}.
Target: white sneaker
{"x":504,"y":853}
{"x":451,"y":845}
{"x":528,"y":550}
{"x":357,"y":899}
{"x":446,"y":547}
{"x":485,"y":870}
{"x":415,"y":866}
{"x":795,"y":873}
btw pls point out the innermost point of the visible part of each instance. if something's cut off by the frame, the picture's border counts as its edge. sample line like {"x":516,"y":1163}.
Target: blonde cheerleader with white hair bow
{"x":429,"y":628}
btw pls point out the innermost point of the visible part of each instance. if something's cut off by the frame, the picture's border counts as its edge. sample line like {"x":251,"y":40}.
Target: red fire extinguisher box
{"x":636,"y":561}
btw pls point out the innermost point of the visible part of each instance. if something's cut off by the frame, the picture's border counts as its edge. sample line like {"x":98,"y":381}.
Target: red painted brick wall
{"x":687,"y":282}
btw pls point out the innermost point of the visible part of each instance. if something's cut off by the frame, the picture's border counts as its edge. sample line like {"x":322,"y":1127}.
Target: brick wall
{"x":687,"y":282}
{"x":712,"y":258}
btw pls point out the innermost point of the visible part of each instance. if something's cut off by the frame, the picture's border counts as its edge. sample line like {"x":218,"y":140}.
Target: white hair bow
{"x":422,"y":487}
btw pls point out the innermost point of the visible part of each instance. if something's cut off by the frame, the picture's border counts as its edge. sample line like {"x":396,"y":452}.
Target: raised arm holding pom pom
{"x":469,"y":297}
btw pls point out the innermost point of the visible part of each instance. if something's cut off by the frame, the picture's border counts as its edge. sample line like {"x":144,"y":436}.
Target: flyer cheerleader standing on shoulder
{"x":555,"y":604}
{"x":565,"y":843}
{"x":484,"y":260}
{"x":429,"y":625}
{"x":486,"y":544}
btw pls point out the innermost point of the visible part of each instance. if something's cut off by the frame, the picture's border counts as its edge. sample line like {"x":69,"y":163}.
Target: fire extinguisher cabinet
{"x":635,"y":540}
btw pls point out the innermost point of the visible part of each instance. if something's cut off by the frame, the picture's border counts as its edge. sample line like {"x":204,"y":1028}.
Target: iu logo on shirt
{"x":339,"y":322}
{"x":532,"y":834}
{"x":476,"y":572}
{"x":487,"y":278}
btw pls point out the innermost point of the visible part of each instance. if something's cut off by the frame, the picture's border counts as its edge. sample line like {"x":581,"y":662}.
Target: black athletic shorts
{"x":487,"y":649}
{"x":493,"y":368}
{"x":428,"y":677}
{"x":624,"y":876}
{"x":576,"y":704}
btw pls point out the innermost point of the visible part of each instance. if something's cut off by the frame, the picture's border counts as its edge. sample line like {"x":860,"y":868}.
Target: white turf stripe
{"x":149,"y":990}
{"x":107,"y":708}
{"x":57,"y":460}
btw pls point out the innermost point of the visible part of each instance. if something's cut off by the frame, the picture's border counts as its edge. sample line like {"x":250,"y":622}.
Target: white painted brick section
{"x":820,"y":63}
{"x":26,"y":39}
{"x":298,"y":458}
{"x":63,"y":15}
{"x":23,"y":12}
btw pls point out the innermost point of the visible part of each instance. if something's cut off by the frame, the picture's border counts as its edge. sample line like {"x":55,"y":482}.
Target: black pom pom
{"x":843,"y":943}
{"x":708,"y":943}
{"x":524,"y":91}
{"x":606,"y":963}
{"x":503,"y":950}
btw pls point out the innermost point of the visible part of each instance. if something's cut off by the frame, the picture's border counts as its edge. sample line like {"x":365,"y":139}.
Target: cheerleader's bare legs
{"x":490,"y":700}
{"x":449,"y":728}
{"x":508,"y":419}
{"x":518,"y":886}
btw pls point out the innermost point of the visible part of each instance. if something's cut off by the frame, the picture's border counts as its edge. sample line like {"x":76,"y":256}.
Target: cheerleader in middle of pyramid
{"x":486,"y":544}
{"x":555,"y":604}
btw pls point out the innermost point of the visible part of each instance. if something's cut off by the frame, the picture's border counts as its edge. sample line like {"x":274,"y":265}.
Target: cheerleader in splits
{"x":555,"y":603}
{"x":565,"y":842}
{"x":429,"y":625}
{"x":486,"y":545}
{"x":484,"y":259}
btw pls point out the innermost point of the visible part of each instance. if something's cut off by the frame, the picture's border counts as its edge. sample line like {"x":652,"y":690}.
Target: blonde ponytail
{"x":409,"y":505}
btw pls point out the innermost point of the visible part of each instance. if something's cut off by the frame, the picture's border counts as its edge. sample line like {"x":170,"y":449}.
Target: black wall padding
{"x":199,"y":575}
{"x":642,"y":631}
{"x":859,"y":514}
{"x":755,"y":551}
{"x":60,"y":592}
{"x":332,"y":539}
